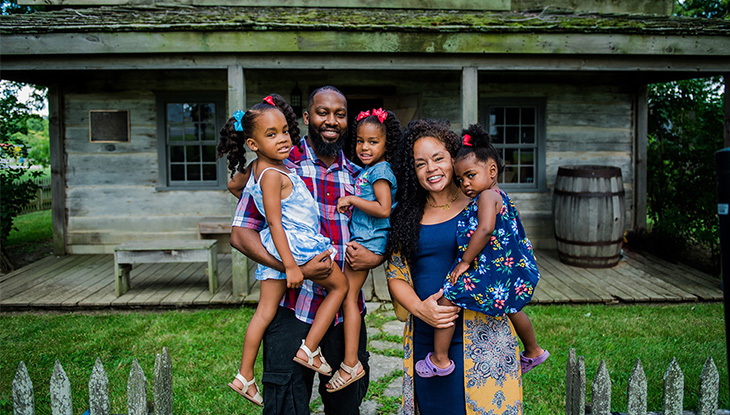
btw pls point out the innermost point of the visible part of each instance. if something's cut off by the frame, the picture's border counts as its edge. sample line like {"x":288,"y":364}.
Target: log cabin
{"x":138,"y":90}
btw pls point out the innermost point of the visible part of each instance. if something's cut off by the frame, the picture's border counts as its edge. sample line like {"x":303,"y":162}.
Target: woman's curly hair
{"x":232,"y":143}
{"x":405,"y":222}
{"x":481,"y":146}
{"x":392,"y":129}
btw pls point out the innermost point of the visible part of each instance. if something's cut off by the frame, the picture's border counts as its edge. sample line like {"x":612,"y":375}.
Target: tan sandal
{"x":324,"y":368}
{"x":338,"y":383}
{"x":256,"y":398}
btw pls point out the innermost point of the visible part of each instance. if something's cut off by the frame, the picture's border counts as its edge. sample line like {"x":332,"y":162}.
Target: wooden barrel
{"x":589,"y":212}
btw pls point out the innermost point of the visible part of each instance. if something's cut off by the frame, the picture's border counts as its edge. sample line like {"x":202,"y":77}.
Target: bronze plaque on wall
{"x":109,"y":126}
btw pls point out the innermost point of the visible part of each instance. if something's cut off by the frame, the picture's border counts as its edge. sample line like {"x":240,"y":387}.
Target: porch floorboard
{"x":76,"y":282}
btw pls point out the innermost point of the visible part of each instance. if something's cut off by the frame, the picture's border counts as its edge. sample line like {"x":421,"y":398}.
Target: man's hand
{"x":318,"y":267}
{"x":360,"y":258}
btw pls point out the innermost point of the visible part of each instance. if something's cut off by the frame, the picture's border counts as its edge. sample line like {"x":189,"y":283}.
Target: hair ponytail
{"x":232,"y":141}
{"x":475,"y":140}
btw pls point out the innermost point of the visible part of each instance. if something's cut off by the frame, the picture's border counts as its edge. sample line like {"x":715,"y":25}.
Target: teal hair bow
{"x":238,"y":115}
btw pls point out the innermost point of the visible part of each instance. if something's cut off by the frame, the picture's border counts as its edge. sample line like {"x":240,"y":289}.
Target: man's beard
{"x":324,"y":148}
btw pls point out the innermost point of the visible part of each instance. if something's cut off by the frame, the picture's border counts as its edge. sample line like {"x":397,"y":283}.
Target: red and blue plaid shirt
{"x":327,"y":184}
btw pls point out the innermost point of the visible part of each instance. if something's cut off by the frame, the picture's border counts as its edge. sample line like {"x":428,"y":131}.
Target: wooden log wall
{"x":112,"y":193}
{"x":111,"y":189}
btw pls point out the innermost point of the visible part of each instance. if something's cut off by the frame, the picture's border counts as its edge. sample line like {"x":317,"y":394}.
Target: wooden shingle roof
{"x":201,"y":19}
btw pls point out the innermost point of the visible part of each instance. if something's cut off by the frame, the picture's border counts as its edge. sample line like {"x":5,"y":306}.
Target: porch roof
{"x":203,"y":19}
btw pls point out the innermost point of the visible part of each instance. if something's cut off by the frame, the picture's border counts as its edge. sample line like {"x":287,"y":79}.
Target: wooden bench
{"x":130,"y":253}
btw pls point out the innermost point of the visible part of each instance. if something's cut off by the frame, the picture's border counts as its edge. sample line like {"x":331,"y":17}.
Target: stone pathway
{"x":383,"y":363}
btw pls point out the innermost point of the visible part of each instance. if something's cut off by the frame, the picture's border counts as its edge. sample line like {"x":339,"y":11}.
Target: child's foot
{"x":529,"y":363}
{"x":312,"y":359}
{"x":345,"y":376}
{"x":247,"y":388}
{"x":426,"y":368}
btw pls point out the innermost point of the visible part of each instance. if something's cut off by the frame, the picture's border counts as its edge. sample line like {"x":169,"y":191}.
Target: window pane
{"x":174,"y":113}
{"x":187,"y":112}
{"x":498,"y":136}
{"x":528,"y":135}
{"x":175,"y":134}
{"x":512,"y":135}
{"x":527,"y":157}
{"x":177,"y":154}
{"x":528,"y":116}
{"x":209,"y":171}
{"x":177,"y":172}
{"x":206,"y":132}
{"x":190,"y":134}
{"x":496,"y":116}
{"x":192,"y":154}
{"x":209,"y":153}
{"x":193,"y":172}
{"x":512,"y":116}
{"x":207,"y":113}
{"x":527,"y":175}
{"x":510,"y":156}
{"x":510,"y":174}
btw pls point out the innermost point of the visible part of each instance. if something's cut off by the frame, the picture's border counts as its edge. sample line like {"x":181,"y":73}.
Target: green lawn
{"x":32,"y":228}
{"x":205,"y":349}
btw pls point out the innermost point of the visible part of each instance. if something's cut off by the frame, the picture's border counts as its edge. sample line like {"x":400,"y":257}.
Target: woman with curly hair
{"x":484,"y":376}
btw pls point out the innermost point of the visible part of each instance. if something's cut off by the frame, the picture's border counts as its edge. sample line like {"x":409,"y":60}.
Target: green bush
{"x":685,"y":130}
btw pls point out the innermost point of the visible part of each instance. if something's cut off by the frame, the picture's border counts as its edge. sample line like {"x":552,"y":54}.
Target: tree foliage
{"x":685,"y":130}
{"x":16,"y":189}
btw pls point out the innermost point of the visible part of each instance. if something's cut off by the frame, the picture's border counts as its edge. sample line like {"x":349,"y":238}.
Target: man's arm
{"x":361,"y":258}
{"x":248,"y":242}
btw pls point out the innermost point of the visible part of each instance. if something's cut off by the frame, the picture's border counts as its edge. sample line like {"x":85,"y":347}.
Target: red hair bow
{"x":467,"y":140}
{"x":362,"y":114}
{"x":269,"y":100}
{"x":381,"y":114}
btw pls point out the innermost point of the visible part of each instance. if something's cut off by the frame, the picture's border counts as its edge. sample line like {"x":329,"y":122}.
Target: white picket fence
{"x":673,"y":400}
{"x":99,"y":390}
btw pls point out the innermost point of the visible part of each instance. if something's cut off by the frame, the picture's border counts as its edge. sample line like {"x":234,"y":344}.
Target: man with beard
{"x":321,"y":163}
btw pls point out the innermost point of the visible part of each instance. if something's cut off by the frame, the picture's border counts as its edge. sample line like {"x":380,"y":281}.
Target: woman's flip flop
{"x":426,"y":369}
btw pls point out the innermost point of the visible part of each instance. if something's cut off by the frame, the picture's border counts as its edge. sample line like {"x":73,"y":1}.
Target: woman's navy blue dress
{"x":437,"y":250}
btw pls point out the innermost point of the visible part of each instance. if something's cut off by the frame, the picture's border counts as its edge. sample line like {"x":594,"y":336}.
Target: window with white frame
{"x":188,"y":129}
{"x":517,"y":128}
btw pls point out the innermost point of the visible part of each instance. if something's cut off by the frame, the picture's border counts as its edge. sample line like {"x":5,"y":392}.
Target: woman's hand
{"x":438,"y":316}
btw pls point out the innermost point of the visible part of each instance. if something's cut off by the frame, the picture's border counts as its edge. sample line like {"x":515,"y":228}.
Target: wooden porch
{"x":77,"y":282}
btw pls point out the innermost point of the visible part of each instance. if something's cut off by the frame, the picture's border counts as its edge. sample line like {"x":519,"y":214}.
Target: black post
{"x":722,"y":169}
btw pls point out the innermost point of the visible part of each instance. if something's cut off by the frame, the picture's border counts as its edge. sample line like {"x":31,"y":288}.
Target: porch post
{"x":469,"y":96}
{"x":727,"y":110}
{"x":58,"y":168}
{"x":641,"y":143}
{"x":237,"y":101}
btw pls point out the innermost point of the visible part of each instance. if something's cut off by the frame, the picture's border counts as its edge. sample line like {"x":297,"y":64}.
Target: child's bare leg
{"x":352,"y":320}
{"x":336,"y":286}
{"x":442,"y":341}
{"x":523,"y":327}
{"x":271,"y":293}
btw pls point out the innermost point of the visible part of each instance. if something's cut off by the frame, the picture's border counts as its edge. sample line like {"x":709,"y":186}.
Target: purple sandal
{"x":529,"y":363}
{"x":426,"y":369}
